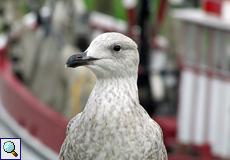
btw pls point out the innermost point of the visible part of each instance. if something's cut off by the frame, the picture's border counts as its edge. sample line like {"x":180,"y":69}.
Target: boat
{"x":33,"y":115}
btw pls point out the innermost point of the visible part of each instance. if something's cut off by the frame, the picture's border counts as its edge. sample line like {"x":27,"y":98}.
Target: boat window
{"x":190,"y":43}
{"x":217,"y":49}
{"x":205,"y":44}
{"x":228,"y":51}
{"x":224,"y":57}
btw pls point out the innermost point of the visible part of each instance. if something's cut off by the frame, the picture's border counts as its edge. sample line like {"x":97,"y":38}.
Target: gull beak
{"x":80,"y":59}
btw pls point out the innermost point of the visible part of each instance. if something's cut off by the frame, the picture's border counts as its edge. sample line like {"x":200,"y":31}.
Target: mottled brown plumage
{"x":113,"y":124}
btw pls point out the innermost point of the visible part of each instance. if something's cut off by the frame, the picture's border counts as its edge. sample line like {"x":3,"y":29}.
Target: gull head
{"x":109,"y":55}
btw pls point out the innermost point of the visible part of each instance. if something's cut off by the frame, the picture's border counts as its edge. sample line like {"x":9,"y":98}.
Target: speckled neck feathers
{"x":110,"y":98}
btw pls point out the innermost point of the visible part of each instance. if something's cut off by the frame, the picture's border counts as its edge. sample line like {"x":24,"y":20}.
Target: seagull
{"x":113,"y":125}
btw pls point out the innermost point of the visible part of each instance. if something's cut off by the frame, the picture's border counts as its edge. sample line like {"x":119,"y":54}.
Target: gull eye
{"x":117,"y":48}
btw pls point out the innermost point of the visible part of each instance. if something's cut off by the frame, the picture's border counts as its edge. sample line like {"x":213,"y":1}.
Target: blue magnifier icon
{"x":9,"y":147}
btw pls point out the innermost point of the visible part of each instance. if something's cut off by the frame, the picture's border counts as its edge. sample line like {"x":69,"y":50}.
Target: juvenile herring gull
{"x":113,"y":125}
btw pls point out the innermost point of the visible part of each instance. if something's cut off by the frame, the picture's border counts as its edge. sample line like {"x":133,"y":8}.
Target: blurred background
{"x":183,"y":76}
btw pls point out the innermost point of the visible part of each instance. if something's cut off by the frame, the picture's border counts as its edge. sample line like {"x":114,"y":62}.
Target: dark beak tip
{"x":77,"y":60}
{"x":80,"y":59}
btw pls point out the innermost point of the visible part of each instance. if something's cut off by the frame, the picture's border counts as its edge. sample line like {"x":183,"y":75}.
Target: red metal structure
{"x":203,"y":117}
